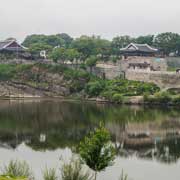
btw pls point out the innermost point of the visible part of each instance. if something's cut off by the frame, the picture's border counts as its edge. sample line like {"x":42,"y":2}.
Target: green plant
{"x":74,"y":171}
{"x":94,"y":88}
{"x":12,"y":178}
{"x":118,"y":98}
{"x":123,"y":176}
{"x":96,"y":150}
{"x":17,"y":168}
{"x":163,"y":97}
{"x":50,"y":174}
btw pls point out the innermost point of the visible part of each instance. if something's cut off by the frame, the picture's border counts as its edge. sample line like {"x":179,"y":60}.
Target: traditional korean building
{"x":142,"y":57}
{"x":11,"y":45}
{"x":139,"y":50}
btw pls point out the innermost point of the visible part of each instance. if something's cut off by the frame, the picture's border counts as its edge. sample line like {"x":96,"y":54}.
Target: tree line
{"x":63,"y":47}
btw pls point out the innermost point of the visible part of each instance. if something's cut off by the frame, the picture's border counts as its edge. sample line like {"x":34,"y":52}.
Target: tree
{"x":145,"y":39}
{"x":67,"y":39}
{"x":59,"y":54}
{"x":91,"y":61}
{"x":120,"y":42}
{"x":96,"y":150}
{"x":167,"y":42}
{"x":84,"y":45}
{"x":37,"y":47}
{"x":72,"y":54}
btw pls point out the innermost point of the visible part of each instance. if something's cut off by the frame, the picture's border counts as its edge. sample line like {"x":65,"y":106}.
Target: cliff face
{"x":42,"y":81}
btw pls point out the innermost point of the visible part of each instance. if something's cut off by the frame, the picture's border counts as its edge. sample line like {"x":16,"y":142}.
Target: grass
{"x":74,"y":171}
{"x":16,"y":169}
{"x":50,"y":174}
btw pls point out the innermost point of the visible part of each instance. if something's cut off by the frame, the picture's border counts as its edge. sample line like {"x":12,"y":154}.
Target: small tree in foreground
{"x":97,"y":151}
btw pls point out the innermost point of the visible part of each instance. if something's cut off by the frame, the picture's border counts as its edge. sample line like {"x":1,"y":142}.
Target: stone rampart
{"x":165,"y":80}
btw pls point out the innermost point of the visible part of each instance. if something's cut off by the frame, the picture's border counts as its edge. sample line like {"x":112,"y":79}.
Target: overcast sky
{"x":107,"y":18}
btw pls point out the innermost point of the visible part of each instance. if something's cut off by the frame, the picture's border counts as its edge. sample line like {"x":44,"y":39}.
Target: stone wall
{"x":165,"y":80}
{"x":158,"y":64}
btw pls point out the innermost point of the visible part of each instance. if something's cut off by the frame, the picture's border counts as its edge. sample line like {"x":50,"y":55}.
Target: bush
{"x":159,"y":98}
{"x":176,"y":100}
{"x":118,"y":98}
{"x":163,"y":97}
{"x":74,"y":171}
{"x":50,"y":174}
{"x":94,"y":88}
{"x":18,"y":169}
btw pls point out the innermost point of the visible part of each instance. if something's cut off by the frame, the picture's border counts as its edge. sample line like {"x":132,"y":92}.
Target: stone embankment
{"x":165,"y":80}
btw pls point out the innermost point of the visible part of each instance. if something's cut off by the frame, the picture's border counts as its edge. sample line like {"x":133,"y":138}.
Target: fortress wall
{"x":162,"y":79}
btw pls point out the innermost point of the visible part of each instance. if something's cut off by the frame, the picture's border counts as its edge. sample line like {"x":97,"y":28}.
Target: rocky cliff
{"x":40,"y":80}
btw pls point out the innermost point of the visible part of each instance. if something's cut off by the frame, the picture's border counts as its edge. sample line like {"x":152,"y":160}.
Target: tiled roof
{"x":138,"y":47}
{"x":5,"y":44}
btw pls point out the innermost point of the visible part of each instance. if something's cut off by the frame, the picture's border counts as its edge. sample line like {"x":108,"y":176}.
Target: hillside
{"x":42,"y":80}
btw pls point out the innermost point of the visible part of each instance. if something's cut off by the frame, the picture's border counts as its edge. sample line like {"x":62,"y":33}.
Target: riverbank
{"x":41,"y":81}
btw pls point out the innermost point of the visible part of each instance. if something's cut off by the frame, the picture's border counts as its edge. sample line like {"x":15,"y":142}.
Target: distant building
{"x":138,"y":50}
{"x":11,"y":45}
{"x":142,"y":57}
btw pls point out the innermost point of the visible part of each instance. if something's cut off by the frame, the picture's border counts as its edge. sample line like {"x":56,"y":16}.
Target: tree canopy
{"x":84,"y":46}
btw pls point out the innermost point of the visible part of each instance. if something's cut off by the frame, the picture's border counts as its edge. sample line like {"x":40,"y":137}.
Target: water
{"x":43,"y":131}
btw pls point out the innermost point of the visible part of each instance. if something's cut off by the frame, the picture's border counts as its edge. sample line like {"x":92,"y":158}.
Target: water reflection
{"x":148,"y":133}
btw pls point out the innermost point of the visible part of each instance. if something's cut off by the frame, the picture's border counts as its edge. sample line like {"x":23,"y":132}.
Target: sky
{"x":107,"y":18}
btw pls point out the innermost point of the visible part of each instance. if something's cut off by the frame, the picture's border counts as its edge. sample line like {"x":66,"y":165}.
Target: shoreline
{"x":130,"y":101}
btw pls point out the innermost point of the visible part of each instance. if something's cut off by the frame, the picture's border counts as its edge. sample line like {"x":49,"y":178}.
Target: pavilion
{"x":134,"y":49}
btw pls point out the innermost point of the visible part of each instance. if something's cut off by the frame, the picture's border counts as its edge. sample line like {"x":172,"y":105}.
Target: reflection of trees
{"x":66,"y":123}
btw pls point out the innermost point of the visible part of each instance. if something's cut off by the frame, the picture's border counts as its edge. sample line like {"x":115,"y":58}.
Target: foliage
{"x":50,"y":174}
{"x":8,"y":71}
{"x":112,"y":89}
{"x":74,"y":171}
{"x":88,"y":46}
{"x":94,"y":88}
{"x":168,"y":42}
{"x":91,"y":61}
{"x":96,"y":150}
{"x":149,"y":39}
{"x":12,"y":178}
{"x":17,"y":168}
{"x":37,"y":47}
{"x":118,"y":98}
{"x":159,"y":98}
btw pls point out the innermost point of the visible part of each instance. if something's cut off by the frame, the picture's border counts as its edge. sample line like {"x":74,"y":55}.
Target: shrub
{"x":163,"y":97}
{"x":18,"y":169}
{"x":74,"y":171}
{"x":94,"y":88}
{"x":117,"y":98}
{"x":50,"y":174}
{"x":176,"y":100}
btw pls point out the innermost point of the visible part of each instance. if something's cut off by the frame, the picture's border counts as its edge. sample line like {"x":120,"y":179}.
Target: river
{"x":42,"y":132}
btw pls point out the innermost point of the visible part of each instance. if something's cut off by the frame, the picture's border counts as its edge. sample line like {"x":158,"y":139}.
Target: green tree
{"x":59,"y":54}
{"x":145,"y":39}
{"x":37,"y":47}
{"x":84,"y":45}
{"x":91,"y":62}
{"x":72,"y":54}
{"x":120,"y":42}
{"x":67,"y":39}
{"x":96,"y":150}
{"x":167,"y":42}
